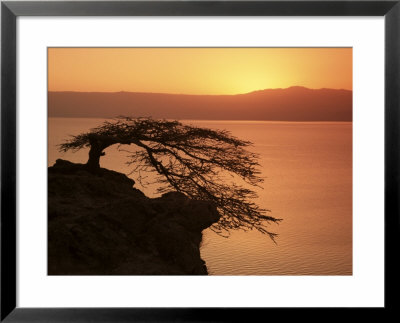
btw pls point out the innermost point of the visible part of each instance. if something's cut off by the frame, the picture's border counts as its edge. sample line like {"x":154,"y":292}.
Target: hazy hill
{"x":291,"y":104}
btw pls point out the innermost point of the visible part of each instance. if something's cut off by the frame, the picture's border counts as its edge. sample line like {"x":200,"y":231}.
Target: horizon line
{"x":219,"y":120}
{"x":266,"y":89}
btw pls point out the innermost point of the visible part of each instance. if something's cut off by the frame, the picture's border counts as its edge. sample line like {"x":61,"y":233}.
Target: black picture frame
{"x":11,"y":10}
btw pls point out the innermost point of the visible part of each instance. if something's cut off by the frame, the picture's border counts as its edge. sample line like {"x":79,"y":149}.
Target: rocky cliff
{"x":98,"y":224}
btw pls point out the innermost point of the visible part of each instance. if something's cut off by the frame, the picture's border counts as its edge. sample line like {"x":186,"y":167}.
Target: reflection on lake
{"x":308,"y":183}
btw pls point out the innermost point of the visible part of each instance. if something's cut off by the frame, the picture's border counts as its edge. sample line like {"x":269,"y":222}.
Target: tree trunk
{"x":95,"y":152}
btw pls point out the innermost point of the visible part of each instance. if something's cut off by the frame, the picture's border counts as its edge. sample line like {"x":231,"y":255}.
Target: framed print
{"x":198,"y":161}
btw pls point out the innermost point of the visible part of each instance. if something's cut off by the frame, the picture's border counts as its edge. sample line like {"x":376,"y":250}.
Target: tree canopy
{"x":201,"y":163}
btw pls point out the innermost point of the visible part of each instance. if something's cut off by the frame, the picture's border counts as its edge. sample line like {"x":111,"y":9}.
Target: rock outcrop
{"x":98,"y":224}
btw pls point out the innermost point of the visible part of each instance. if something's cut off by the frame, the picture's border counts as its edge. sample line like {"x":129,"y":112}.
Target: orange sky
{"x":197,"y":70}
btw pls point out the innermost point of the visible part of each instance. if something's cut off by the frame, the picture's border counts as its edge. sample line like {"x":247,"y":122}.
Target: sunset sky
{"x":197,"y":70}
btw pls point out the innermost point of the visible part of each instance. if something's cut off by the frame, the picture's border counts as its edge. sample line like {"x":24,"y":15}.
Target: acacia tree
{"x":201,"y":163}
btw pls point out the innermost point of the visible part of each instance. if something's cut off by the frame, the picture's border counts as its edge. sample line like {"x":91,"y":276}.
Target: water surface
{"x":308,"y":183}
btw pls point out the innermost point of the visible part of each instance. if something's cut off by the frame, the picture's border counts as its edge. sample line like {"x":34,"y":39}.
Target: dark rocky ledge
{"x":101,"y":225}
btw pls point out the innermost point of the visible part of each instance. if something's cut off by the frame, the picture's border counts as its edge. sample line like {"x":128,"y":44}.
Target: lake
{"x":308,"y":183}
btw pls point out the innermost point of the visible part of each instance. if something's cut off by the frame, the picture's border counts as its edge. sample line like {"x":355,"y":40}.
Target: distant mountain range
{"x":290,"y":104}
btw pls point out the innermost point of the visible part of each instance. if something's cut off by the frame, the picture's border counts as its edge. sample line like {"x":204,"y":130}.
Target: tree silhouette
{"x":201,"y":163}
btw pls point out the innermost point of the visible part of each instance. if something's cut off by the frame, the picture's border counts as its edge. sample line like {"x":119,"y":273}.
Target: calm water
{"x":308,"y":170}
